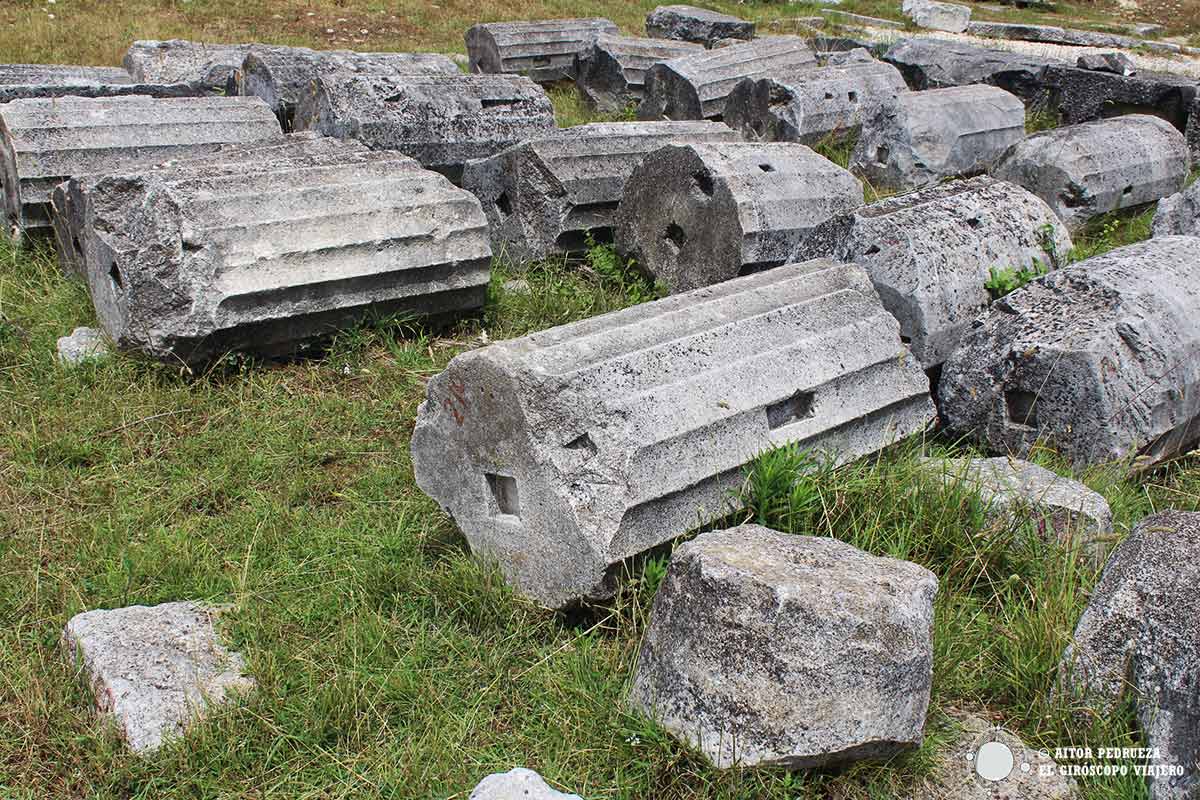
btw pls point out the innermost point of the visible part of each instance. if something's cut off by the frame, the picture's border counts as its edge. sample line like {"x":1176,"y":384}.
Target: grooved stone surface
{"x":611,"y":74}
{"x":542,"y":50}
{"x":691,"y":24}
{"x":182,"y":61}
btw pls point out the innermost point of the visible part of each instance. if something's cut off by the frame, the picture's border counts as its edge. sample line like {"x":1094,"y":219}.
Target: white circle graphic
{"x":994,"y":761}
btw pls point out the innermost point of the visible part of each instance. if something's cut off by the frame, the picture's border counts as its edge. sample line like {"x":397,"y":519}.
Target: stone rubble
{"x":542,"y":50}
{"x":699,"y":25}
{"x":1179,"y":214}
{"x":517,"y":784}
{"x":938,"y":16}
{"x":84,"y":344}
{"x":1116,"y":63}
{"x":611,"y":74}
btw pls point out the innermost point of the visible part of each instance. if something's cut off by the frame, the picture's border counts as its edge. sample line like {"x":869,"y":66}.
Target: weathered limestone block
{"x":1052,"y":34}
{"x":922,"y":137}
{"x":281,"y":75}
{"x":517,"y":784}
{"x":1192,"y":128}
{"x":1101,"y":360}
{"x":691,"y":24}
{"x":937,"y":16}
{"x":696,"y":86}
{"x":84,"y":344}
{"x":698,"y":214}
{"x":1117,"y":63}
{"x":941,"y":64}
{"x":1140,"y":636}
{"x":930,"y":253}
{"x":264,"y":250}
{"x":859,"y":21}
{"x":813,"y":105}
{"x":443,"y":121}
{"x":25,"y":81}
{"x":1082,"y":95}
{"x":45,"y":141}
{"x":611,"y":74}
{"x":155,"y":670}
{"x":1085,"y":170}
{"x":562,"y":453}
{"x":773,"y":649}
{"x":544,"y":196}
{"x":1179,"y":214}
{"x":181,"y":61}
{"x":543,"y":50}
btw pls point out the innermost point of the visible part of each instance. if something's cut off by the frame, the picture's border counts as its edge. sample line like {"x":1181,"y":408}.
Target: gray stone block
{"x":443,"y":121}
{"x":264,"y":249}
{"x":1098,"y":360}
{"x":84,"y":344}
{"x":1085,"y":170}
{"x":859,"y":21}
{"x":182,"y":61}
{"x":1179,"y":214}
{"x":1139,"y":638}
{"x":1192,"y":128}
{"x":611,"y":74}
{"x":930,"y":253}
{"x":691,"y":24}
{"x":544,"y":196}
{"x":814,"y":105}
{"x":154,"y":670}
{"x":562,"y":453}
{"x":542,"y":50}
{"x":45,"y":141}
{"x":941,"y":64}
{"x":26,"y":81}
{"x":517,"y":784}
{"x":698,"y":214}
{"x":1117,"y":63}
{"x":1052,"y":34}
{"x":937,"y":16}
{"x":1082,"y":95}
{"x":696,"y":86}
{"x":920,"y":138}
{"x":773,"y":649}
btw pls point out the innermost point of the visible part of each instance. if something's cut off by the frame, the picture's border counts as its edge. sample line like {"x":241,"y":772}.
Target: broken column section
{"x":611,"y":74}
{"x":691,"y":24}
{"x":562,"y":453}
{"x":542,"y":50}
{"x":182,"y":61}
{"x":25,"y":81}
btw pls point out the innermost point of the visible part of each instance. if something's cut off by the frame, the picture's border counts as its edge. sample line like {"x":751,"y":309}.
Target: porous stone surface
{"x":930,"y":253}
{"x":1192,"y":129}
{"x":542,"y":50}
{"x":771,"y":649}
{"x":919,"y":138}
{"x":1085,"y":170}
{"x":937,"y":16}
{"x":812,"y":105}
{"x":698,"y":214}
{"x":1140,"y":636}
{"x":691,"y":24}
{"x":1052,"y":34}
{"x":517,"y":784}
{"x":544,"y":196}
{"x":45,"y":141}
{"x":1117,"y":63}
{"x":1099,"y":360}
{"x":182,"y":61}
{"x":84,"y":344}
{"x":1179,"y":214}
{"x":443,"y":121}
{"x":940,"y":64}
{"x":264,"y":249}
{"x":1083,"y":95}
{"x":155,"y":670}
{"x":281,"y":75}
{"x":562,"y":453}
{"x":696,"y":86}
{"x":23,"y":81}
{"x":611,"y":74}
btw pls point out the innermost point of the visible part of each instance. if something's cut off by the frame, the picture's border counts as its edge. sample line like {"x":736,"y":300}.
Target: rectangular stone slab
{"x":183,"y":61}
{"x":543,"y":50}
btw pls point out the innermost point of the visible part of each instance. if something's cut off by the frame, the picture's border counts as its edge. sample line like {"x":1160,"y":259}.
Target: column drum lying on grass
{"x":691,"y":24}
{"x":24,"y":81}
{"x":266,"y":249}
{"x":611,"y":74}
{"x":1085,"y":170}
{"x":562,"y":453}
{"x":543,"y":50}
{"x":43,"y":142}
{"x":1101,"y":360}
{"x":443,"y":121}
{"x":696,"y":86}
{"x":544,"y":196}
{"x":922,"y":137}
{"x":181,"y":61}
{"x":813,"y":105}
{"x":693,"y":215}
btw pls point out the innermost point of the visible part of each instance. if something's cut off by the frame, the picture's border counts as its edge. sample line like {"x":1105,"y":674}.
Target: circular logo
{"x":994,"y":761}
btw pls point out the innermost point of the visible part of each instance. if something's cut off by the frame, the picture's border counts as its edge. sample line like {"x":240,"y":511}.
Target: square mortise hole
{"x":1022,"y":408}
{"x":504,"y":494}
{"x":797,"y":407}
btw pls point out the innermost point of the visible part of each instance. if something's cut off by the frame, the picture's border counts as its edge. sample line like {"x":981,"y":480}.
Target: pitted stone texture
{"x":1101,"y":360}
{"x":611,"y":74}
{"x":155,"y":670}
{"x":1140,"y":636}
{"x":1085,"y":170}
{"x":691,"y":24}
{"x":45,"y":141}
{"x":562,"y":453}
{"x":84,"y":344}
{"x":922,"y":137}
{"x":517,"y":784}
{"x":1179,"y":214}
{"x":443,"y":121}
{"x":266,"y":249}
{"x":698,"y":214}
{"x":771,"y":649}
{"x":543,"y":50}
{"x":929,"y":253}
{"x":544,"y":196}
{"x":1052,"y":34}
{"x":696,"y":86}
{"x":181,"y":61}
{"x":1081,"y":95}
{"x":25,"y":81}
{"x":813,"y":105}
{"x":937,"y":16}
{"x":941,"y":64}
{"x":282,"y":75}
{"x":1117,"y":63}
{"x":1192,"y":129}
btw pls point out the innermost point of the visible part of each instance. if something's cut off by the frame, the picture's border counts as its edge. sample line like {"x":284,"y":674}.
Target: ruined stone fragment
{"x":611,"y":73}
{"x":691,"y":24}
{"x":182,"y":61}
{"x":542,"y":50}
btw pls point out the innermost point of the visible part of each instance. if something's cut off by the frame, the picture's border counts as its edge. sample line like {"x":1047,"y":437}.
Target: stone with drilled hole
{"x":1099,"y":360}
{"x":84,"y":344}
{"x":562,"y":453}
{"x":547,"y":195}
{"x":940,"y":64}
{"x":937,"y":16}
{"x":773,"y":649}
{"x":1179,"y":214}
{"x":920,"y":138}
{"x":542,"y":50}
{"x":182,"y":61}
{"x":1085,"y":170}
{"x":24,"y":81}
{"x":517,"y":784}
{"x":691,"y":24}
{"x":611,"y":74}
{"x":154,"y":670}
